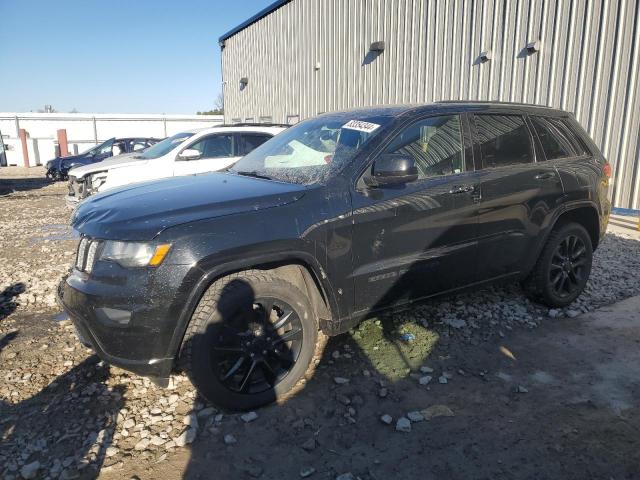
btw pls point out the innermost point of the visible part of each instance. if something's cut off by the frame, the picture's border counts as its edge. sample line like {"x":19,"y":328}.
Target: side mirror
{"x":393,"y":169}
{"x":190,"y":154}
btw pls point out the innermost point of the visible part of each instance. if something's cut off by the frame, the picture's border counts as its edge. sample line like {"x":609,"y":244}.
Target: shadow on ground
{"x":23,"y":184}
{"x":527,"y":406}
{"x":9,"y":297}
{"x":62,"y":411}
{"x":521,"y":405}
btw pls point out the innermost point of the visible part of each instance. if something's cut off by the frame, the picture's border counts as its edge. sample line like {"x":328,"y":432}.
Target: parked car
{"x":237,"y":277}
{"x":186,"y":153}
{"x":58,"y":168}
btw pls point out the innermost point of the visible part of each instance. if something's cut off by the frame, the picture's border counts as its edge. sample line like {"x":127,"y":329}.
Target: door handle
{"x":545,"y":176}
{"x":462,"y":189}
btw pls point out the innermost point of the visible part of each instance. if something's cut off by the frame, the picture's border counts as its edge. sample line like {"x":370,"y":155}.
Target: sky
{"x":115,"y":56}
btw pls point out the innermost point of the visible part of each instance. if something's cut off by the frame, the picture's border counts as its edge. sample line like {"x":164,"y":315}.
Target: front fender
{"x":205,"y":273}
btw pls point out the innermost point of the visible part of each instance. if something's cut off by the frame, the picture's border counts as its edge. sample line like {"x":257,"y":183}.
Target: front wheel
{"x":251,"y":341}
{"x":563,"y":267}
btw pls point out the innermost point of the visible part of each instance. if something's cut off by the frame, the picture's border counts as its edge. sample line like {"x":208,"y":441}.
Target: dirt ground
{"x":495,"y":386}
{"x":560,"y":402}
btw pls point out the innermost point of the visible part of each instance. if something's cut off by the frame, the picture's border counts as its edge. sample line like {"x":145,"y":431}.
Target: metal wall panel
{"x":589,"y":63}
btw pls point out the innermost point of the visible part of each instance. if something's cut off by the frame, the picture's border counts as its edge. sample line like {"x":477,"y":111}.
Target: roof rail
{"x":253,"y":124}
{"x":495,"y":102}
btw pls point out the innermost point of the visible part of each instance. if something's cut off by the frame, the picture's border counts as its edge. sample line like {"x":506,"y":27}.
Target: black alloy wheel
{"x":258,"y":347}
{"x":252,"y":340}
{"x":568,"y":266}
{"x":563,"y":267}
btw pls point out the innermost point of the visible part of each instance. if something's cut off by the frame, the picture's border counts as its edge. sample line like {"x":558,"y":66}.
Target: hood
{"x":120,"y":160}
{"x":139,"y":212}
{"x":57,"y":162}
{"x":65,"y":162}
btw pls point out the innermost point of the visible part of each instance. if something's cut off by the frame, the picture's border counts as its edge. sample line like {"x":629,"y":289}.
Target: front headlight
{"x":134,"y":254}
{"x":95,"y":181}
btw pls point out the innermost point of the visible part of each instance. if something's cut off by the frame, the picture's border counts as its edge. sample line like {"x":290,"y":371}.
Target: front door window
{"x":435,"y":143}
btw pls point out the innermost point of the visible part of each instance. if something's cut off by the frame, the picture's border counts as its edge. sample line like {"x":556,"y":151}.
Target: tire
{"x":230,"y":335}
{"x":563,"y":268}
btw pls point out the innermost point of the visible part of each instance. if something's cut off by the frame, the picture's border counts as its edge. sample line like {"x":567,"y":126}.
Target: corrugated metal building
{"x":298,"y":58}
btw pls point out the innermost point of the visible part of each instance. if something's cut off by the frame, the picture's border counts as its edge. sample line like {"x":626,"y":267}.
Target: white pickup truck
{"x":186,"y":153}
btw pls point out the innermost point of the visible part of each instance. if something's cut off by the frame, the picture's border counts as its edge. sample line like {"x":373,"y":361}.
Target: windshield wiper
{"x":252,"y":173}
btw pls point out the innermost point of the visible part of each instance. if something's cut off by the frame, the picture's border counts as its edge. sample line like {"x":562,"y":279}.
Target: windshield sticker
{"x":361,"y":126}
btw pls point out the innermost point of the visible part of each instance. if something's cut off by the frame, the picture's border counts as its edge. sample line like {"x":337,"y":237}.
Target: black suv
{"x":238,"y":277}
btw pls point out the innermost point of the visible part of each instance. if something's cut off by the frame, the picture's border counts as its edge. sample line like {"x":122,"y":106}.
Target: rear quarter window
{"x":577,"y":141}
{"x":554,"y":138}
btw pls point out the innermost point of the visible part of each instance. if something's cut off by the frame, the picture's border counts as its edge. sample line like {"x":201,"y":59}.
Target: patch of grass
{"x":380,"y":339}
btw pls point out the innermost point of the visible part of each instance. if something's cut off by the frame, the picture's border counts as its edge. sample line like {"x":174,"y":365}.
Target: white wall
{"x":85,"y":130}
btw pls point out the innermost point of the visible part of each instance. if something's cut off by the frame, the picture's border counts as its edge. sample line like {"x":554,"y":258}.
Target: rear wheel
{"x":563,"y":267}
{"x":251,"y":341}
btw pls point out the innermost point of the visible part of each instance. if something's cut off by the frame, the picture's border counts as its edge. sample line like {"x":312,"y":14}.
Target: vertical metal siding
{"x":589,"y":63}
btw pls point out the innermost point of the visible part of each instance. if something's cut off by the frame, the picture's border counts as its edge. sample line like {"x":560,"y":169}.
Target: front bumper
{"x":122,"y":321}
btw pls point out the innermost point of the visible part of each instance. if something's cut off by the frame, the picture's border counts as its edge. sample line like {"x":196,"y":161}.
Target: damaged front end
{"x":81,"y":188}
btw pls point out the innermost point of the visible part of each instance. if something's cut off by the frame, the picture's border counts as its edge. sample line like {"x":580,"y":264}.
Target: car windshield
{"x":165,"y":146}
{"x":312,"y":151}
{"x":94,"y":149}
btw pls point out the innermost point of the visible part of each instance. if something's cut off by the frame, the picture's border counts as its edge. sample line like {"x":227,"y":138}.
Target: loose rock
{"x":249,"y":417}
{"x":186,"y":437}
{"x":386,"y":418}
{"x":415,"y":416}
{"x":307,"y":472}
{"x":403,"y":425}
{"x":229,"y":439}
{"x":30,"y":470}
{"x":436,"y":411}
{"x":309,"y":445}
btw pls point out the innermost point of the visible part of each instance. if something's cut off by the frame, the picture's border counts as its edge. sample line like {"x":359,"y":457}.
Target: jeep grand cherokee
{"x":237,"y":277}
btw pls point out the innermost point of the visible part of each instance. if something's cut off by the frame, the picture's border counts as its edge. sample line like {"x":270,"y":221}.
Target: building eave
{"x":250,"y":21}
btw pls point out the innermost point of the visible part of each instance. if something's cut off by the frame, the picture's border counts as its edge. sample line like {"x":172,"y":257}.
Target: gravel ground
{"x":64,"y":414}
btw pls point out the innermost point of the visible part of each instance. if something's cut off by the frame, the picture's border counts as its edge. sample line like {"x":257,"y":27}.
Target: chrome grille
{"x":82,"y":253}
{"x":87,"y":249}
{"x":91,"y":256}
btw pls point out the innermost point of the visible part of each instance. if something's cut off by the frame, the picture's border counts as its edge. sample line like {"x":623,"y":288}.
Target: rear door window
{"x":504,"y":140}
{"x":249,"y":141}
{"x":554,"y":138}
{"x":138,"y":144}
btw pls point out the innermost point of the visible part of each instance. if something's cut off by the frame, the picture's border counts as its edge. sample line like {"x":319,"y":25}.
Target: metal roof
{"x":250,"y":21}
